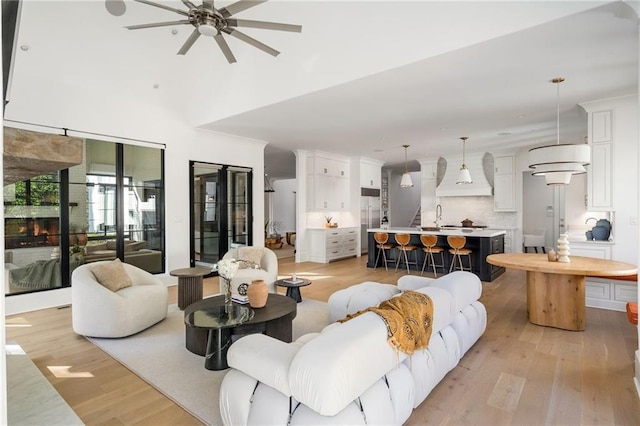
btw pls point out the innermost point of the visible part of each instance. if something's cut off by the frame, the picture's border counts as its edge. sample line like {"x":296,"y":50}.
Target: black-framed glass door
{"x":221,"y":211}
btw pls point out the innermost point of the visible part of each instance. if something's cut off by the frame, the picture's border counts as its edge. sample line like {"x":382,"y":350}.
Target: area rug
{"x":159,"y":357}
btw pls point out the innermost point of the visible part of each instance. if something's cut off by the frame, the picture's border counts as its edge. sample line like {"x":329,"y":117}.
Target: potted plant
{"x":328,"y":219}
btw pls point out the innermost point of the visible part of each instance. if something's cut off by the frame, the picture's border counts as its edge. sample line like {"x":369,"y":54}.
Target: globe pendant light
{"x":464,"y":177}
{"x":557,"y":163}
{"x":406,"y":181}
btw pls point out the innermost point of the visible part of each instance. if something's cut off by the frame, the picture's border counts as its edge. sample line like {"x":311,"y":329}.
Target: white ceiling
{"x":481,"y":91}
{"x":363,"y":78}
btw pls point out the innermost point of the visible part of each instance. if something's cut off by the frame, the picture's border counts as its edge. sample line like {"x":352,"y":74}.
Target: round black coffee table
{"x":293,"y":288}
{"x":218,"y":322}
{"x":275,"y":319}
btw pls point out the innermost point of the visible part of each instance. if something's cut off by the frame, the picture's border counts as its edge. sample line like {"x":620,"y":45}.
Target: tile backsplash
{"x":478,"y":209}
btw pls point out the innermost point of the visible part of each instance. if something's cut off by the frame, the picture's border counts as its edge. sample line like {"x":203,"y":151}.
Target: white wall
{"x":41,"y":102}
{"x":284,"y":204}
{"x":403,"y":202}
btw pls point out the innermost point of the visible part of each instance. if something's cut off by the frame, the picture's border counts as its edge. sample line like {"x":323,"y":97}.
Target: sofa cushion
{"x":90,"y":249}
{"x":134,"y":246}
{"x":112,"y":275}
{"x":358,"y":297}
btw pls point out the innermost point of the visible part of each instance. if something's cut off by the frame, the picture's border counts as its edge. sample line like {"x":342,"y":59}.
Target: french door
{"x":221,"y":211}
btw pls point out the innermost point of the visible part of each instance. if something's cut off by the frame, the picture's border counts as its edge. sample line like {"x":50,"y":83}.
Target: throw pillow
{"x":251,"y":254}
{"x":112,"y":275}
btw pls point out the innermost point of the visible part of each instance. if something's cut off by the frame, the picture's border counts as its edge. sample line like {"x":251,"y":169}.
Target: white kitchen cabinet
{"x":504,"y":197}
{"x":370,"y":174}
{"x":327,"y":183}
{"x":604,"y":293}
{"x":428,"y":200}
{"x":332,"y":243}
{"x":600,"y":172}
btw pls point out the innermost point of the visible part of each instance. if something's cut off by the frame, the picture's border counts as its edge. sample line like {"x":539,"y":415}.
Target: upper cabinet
{"x":327,"y":182}
{"x":429,"y":182}
{"x":504,"y":197}
{"x":370,"y":174}
{"x":600,"y":173}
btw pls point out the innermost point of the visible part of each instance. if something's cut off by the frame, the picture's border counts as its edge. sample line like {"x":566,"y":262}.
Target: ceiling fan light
{"x":464,"y":177}
{"x":207,"y":29}
{"x":406,"y":181}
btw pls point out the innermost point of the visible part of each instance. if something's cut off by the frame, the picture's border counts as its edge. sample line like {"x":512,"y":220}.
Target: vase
{"x":227,"y":291}
{"x":563,"y":249}
{"x":257,"y":293}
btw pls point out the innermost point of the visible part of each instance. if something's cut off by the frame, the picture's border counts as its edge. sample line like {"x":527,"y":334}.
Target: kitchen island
{"x":482,"y":242}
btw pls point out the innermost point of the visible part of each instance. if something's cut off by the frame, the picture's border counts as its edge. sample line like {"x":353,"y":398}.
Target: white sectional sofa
{"x":349,"y":373}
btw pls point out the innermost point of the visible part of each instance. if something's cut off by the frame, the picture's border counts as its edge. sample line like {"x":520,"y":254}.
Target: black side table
{"x":293,"y":288}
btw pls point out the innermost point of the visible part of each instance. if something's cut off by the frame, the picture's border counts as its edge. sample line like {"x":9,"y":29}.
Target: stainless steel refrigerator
{"x":369,"y":214}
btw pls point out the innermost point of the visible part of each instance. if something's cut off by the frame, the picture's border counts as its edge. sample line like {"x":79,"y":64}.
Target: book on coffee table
{"x":239,"y":299}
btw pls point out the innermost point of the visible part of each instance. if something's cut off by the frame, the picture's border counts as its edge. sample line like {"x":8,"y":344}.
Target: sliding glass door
{"x":109,"y":205}
{"x":220,"y":211}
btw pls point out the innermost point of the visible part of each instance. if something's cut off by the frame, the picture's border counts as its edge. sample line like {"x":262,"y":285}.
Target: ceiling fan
{"x":211,"y":22}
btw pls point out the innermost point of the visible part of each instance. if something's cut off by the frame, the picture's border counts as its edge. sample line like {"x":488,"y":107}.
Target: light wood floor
{"x":517,"y":373}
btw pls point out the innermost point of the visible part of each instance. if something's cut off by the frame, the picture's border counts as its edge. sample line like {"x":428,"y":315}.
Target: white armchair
{"x":268,"y":271}
{"x":97,"y":311}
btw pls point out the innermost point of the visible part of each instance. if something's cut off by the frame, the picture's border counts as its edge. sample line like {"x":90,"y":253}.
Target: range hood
{"x":481,"y":169}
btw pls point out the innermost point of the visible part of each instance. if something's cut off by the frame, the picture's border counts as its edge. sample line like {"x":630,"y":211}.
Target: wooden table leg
{"x":189,"y":290}
{"x":556,"y":300}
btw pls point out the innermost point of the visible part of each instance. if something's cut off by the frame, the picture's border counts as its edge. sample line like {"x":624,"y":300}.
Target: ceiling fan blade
{"x":187,"y":44}
{"x":264,"y":25}
{"x":239,"y":6}
{"x":162,"y":6}
{"x":226,"y":50}
{"x":252,"y":41}
{"x":189,"y":4}
{"x":157,"y":24}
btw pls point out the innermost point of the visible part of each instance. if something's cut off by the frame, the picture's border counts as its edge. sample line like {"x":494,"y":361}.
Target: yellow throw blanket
{"x":409,"y":319}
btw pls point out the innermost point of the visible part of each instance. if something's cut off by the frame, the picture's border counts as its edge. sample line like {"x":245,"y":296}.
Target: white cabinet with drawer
{"x":605,"y":293}
{"x":332,"y":243}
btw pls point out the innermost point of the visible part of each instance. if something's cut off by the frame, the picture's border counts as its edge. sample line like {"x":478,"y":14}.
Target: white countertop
{"x":467,"y":232}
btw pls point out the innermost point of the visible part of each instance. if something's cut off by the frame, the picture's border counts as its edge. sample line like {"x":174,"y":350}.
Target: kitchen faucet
{"x":438,"y":215}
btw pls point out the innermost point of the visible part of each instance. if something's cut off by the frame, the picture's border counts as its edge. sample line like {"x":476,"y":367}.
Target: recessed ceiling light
{"x":378,"y":150}
{"x":156,"y":86}
{"x":504,"y":133}
{"x":174,"y":31}
{"x":522,"y":116}
{"x":25,"y":47}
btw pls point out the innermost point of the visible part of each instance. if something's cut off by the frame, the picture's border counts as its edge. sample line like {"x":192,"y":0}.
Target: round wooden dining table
{"x":556,"y":291}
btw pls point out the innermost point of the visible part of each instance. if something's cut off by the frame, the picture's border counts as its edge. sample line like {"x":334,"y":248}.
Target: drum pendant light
{"x":557,"y":163}
{"x":464,"y":177}
{"x":406,"y":181}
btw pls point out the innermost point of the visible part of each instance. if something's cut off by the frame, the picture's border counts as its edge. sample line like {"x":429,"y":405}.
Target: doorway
{"x":221,"y":211}
{"x":544,"y":207}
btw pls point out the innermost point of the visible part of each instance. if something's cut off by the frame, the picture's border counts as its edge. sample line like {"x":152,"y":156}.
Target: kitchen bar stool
{"x":457,"y":250}
{"x":384,"y":247}
{"x":429,"y":242}
{"x":403,"y":245}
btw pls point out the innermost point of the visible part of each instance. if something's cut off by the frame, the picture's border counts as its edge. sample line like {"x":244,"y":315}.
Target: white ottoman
{"x":358,"y":297}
